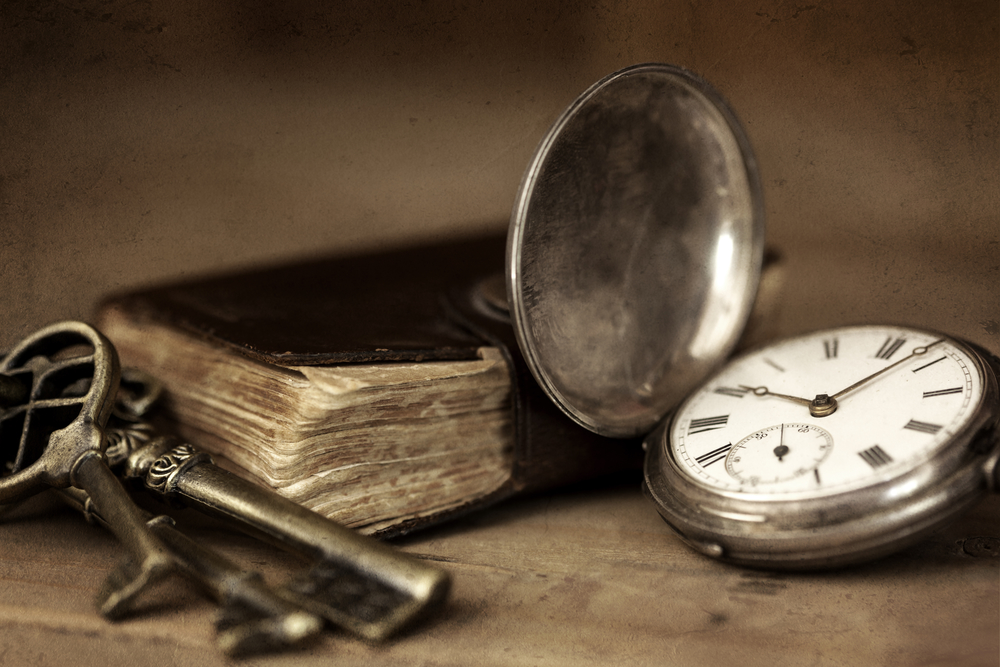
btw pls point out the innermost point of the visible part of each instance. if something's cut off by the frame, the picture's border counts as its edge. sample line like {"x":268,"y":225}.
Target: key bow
{"x":70,"y":372}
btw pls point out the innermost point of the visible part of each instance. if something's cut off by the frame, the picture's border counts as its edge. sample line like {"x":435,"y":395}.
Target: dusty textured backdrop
{"x":143,"y":141}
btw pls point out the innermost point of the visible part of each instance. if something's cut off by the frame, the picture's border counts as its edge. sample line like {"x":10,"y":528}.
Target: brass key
{"x":51,"y":435}
{"x":356,"y":582}
{"x":253,"y":617}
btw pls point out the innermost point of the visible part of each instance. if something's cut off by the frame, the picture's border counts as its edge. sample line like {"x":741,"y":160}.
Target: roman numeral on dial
{"x":943,"y":392}
{"x":875,"y":456}
{"x":923,"y":427}
{"x":830,"y":348}
{"x":731,"y":391}
{"x":889,"y":347}
{"x":773,"y":364}
{"x":929,"y":364}
{"x":715,"y":455}
{"x":707,"y":424}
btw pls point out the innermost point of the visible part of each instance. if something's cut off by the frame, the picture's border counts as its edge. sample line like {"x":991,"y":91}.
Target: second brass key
{"x":356,"y":582}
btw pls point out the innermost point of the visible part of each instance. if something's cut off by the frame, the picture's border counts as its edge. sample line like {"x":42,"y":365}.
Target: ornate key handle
{"x":70,"y":372}
{"x":55,"y":438}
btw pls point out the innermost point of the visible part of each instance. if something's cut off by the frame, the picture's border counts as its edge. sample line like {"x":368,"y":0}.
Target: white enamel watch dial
{"x":888,"y":423}
{"x":826,"y":448}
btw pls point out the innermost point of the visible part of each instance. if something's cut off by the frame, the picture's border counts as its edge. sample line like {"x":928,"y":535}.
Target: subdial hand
{"x":781,"y":451}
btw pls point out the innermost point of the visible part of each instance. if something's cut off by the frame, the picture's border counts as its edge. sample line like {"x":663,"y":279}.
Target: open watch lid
{"x":635,"y":247}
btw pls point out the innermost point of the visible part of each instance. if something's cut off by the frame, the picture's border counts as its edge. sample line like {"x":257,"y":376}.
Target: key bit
{"x":53,"y":437}
{"x":253,"y":618}
{"x":356,"y":582}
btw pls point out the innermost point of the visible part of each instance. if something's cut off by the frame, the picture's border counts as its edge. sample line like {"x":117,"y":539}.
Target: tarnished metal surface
{"x":55,"y":438}
{"x":254,"y":617}
{"x":355,"y":582}
{"x":635,"y":247}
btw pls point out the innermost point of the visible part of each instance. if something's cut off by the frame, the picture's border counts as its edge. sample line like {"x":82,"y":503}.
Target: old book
{"x":384,"y":390}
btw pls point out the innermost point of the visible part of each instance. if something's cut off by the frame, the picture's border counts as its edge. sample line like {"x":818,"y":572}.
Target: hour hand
{"x":764,"y":391}
{"x":821,"y":406}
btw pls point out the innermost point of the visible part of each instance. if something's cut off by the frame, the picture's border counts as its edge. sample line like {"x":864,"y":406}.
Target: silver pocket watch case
{"x":635,"y":247}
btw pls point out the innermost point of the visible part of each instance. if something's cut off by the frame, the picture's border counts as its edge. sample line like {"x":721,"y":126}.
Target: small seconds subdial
{"x":779,"y":453}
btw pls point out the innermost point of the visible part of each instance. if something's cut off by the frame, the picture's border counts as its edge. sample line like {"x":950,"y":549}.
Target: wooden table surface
{"x":584,"y":576}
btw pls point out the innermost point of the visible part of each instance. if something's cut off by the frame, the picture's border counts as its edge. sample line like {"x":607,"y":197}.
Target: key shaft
{"x":357,"y":582}
{"x":254,"y":616}
{"x":148,"y":560}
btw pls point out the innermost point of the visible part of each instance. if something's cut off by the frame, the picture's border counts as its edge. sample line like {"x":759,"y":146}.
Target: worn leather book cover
{"x":433,"y":315}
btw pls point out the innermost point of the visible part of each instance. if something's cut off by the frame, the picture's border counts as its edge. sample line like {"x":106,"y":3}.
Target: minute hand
{"x":917,"y":351}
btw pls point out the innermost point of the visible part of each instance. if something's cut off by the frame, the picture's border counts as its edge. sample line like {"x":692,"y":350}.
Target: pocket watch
{"x":633,"y":260}
{"x":829,"y":448}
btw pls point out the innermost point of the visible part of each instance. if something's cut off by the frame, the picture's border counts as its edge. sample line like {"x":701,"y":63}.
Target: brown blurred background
{"x":145,"y":141}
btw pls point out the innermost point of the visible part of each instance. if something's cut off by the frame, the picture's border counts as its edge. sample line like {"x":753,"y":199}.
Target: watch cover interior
{"x":635,"y":247}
